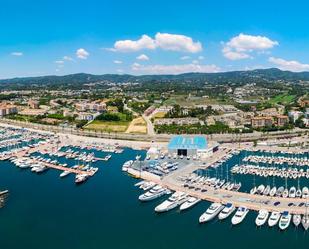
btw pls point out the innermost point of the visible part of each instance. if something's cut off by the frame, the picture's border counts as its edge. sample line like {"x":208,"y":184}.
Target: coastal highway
{"x":224,"y":138}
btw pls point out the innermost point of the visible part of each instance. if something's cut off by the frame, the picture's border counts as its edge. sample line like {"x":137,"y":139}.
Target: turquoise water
{"x":44,"y":211}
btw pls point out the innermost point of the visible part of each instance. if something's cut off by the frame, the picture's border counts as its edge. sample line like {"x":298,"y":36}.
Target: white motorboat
{"x":172,"y":202}
{"x":253,"y":190}
{"x":292,"y":192}
{"x":285,"y":220}
{"x":260,"y":189}
{"x":147,"y":185}
{"x":189,"y":203}
{"x":240,"y":215}
{"x":305,"y":221}
{"x":279,"y":191}
{"x":273,"y":191}
{"x":296,"y":219}
{"x":305,"y":192}
{"x":80,"y":178}
{"x":127,"y":165}
{"x":227,"y":211}
{"x":266,"y":190}
{"x":298,"y":193}
{"x":211,"y":212}
{"x":274,"y":218}
{"x":262,"y":217}
{"x":65,"y":173}
{"x":154,"y":193}
{"x":285,"y":193}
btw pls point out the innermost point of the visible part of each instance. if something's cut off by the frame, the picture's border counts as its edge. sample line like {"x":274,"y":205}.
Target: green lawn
{"x":282,"y":98}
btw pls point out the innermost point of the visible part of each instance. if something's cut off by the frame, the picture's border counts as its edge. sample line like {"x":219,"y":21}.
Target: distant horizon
{"x":141,"y":75}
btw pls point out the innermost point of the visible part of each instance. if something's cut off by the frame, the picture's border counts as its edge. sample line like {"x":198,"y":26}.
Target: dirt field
{"x":108,"y":126}
{"x":138,"y":125}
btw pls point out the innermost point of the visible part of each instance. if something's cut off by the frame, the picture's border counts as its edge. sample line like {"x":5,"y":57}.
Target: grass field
{"x":159,"y":115}
{"x":182,"y":100}
{"x":108,"y":126}
{"x":283,"y":99}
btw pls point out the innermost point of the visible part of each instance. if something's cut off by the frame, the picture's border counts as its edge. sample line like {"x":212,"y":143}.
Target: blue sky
{"x":151,"y":37}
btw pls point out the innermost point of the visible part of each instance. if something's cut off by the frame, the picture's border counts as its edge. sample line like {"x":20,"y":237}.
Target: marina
{"x":278,"y":192}
{"x":205,"y":194}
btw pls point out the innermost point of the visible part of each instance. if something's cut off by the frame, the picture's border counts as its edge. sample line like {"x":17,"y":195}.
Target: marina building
{"x":191,"y":146}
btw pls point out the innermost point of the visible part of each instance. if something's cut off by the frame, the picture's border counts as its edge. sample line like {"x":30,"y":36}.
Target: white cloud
{"x":165,"y":41}
{"x":195,"y":62}
{"x":177,"y":43}
{"x":142,"y":57}
{"x":240,"y":47}
{"x":294,"y":66}
{"x":117,"y":62}
{"x":82,"y":54}
{"x":120,"y":71}
{"x":67,"y":58}
{"x":186,"y":57}
{"x":59,"y":62}
{"x":201,"y":57}
{"x":174,"y":69}
{"x":145,"y":42}
{"x":17,"y":53}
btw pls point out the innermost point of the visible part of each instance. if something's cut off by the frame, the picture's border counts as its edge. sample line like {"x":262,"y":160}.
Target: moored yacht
{"x":127,"y":165}
{"x":211,"y":212}
{"x":274,"y":218}
{"x":227,"y":211}
{"x":292,"y":192}
{"x":65,"y":173}
{"x":154,"y":193}
{"x":239,"y":215}
{"x":189,"y":203}
{"x":172,"y":202}
{"x":285,"y":220}
{"x":305,"y":192}
{"x":262,"y":217}
{"x":296,"y":219}
{"x":80,"y":178}
{"x":305,"y":221}
{"x":273,"y":191}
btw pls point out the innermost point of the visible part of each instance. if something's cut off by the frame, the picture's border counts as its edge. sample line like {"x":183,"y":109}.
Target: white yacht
{"x":211,"y":212}
{"x":227,"y":211}
{"x":154,"y":193}
{"x":239,"y":215}
{"x":305,"y":221}
{"x":189,"y":203}
{"x":292,"y":192}
{"x":305,"y":192}
{"x":127,"y":165}
{"x":262,"y":217}
{"x":274,"y":218}
{"x":285,"y":193}
{"x":65,"y":173}
{"x":285,"y":220}
{"x":266,"y":190}
{"x":173,"y":201}
{"x":296,"y":219}
{"x":80,"y":178}
{"x":260,"y":189}
{"x":273,"y":191}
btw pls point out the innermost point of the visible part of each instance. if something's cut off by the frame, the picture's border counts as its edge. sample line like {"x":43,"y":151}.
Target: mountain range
{"x":258,"y":75}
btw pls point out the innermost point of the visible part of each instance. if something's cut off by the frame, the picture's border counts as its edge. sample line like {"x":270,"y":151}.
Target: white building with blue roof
{"x":190,"y":146}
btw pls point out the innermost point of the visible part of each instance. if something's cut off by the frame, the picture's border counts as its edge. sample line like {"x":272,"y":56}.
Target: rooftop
{"x":188,"y":142}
